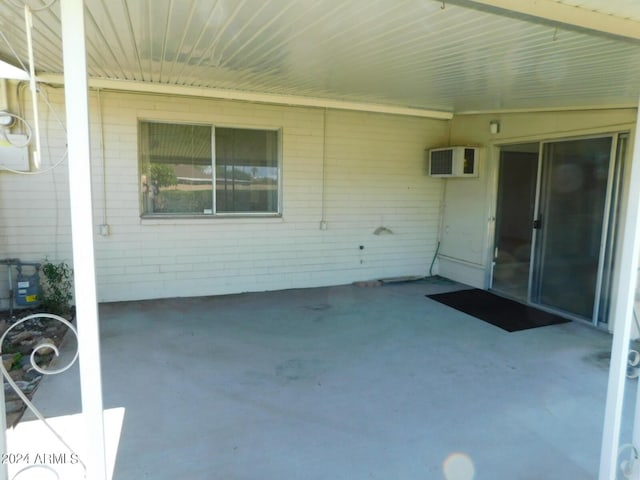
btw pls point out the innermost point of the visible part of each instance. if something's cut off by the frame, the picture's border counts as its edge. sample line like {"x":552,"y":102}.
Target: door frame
{"x":605,"y":243}
{"x":535,"y":177}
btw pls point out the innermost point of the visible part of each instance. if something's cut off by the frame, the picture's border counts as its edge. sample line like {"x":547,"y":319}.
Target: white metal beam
{"x":570,"y":15}
{"x":77,"y":109}
{"x":622,"y":318}
{"x":9,"y":72}
{"x":257,"y":97}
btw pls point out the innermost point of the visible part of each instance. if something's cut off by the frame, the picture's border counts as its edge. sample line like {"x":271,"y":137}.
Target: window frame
{"x":214,"y":214}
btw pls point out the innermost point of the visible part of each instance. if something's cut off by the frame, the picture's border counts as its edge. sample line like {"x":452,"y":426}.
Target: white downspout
{"x":77,"y":108}
{"x":622,"y":316}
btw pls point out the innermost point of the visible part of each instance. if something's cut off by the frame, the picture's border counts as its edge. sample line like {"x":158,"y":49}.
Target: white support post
{"x":622,"y":316}
{"x":4,"y":475}
{"x":77,"y":109}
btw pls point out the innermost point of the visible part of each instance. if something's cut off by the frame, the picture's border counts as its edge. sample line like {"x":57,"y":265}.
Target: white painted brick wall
{"x":374,"y":171}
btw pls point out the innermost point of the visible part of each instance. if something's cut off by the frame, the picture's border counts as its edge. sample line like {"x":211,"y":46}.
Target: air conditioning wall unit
{"x":453,"y":162}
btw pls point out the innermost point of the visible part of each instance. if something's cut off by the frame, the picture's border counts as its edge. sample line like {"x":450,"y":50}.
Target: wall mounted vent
{"x":453,"y":162}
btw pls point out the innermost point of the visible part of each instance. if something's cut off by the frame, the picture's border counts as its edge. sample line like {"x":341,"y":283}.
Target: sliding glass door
{"x":554,"y":225}
{"x":569,"y":224}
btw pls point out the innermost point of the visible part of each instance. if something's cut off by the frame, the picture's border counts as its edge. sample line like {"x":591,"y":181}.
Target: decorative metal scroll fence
{"x":628,"y":454}
{"x":44,"y":346}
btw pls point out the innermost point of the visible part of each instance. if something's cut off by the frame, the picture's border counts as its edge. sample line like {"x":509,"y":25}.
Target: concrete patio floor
{"x":344,"y":383}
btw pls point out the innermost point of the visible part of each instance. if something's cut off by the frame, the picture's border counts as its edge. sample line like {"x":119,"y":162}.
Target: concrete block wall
{"x":356,"y":171}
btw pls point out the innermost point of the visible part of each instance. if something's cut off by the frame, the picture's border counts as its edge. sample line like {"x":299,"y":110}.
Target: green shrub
{"x":57,"y":287}
{"x":181,"y":201}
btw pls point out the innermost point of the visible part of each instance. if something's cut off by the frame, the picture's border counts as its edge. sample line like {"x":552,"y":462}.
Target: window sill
{"x":209,"y":219}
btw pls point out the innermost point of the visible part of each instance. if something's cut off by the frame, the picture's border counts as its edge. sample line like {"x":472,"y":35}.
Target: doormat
{"x":499,"y":311}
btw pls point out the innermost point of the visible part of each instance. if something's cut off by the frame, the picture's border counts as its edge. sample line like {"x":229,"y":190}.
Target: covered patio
{"x":209,"y":148}
{"x":342,"y":382}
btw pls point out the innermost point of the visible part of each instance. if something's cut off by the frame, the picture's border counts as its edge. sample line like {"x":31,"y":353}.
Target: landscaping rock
{"x":14,"y":406}
{"x":24,"y":386}
{"x":22,"y":339}
{"x":7,"y":361}
{"x":45,"y":350}
{"x":31,"y":375}
{"x":25,"y":336}
{"x":25,"y":362}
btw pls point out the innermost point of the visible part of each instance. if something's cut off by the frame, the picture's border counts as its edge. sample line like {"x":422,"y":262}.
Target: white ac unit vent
{"x":453,"y":162}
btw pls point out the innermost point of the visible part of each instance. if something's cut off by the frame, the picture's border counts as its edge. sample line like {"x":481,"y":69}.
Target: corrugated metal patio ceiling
{"x":410,"y":53}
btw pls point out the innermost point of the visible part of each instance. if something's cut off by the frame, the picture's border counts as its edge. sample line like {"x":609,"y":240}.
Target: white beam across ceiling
{"x":10,"y":72}
{"x":270,"y":98}
{"x":564,"y":14}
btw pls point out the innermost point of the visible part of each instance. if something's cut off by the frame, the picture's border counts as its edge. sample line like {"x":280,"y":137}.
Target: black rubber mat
{"x":499,"y":311}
